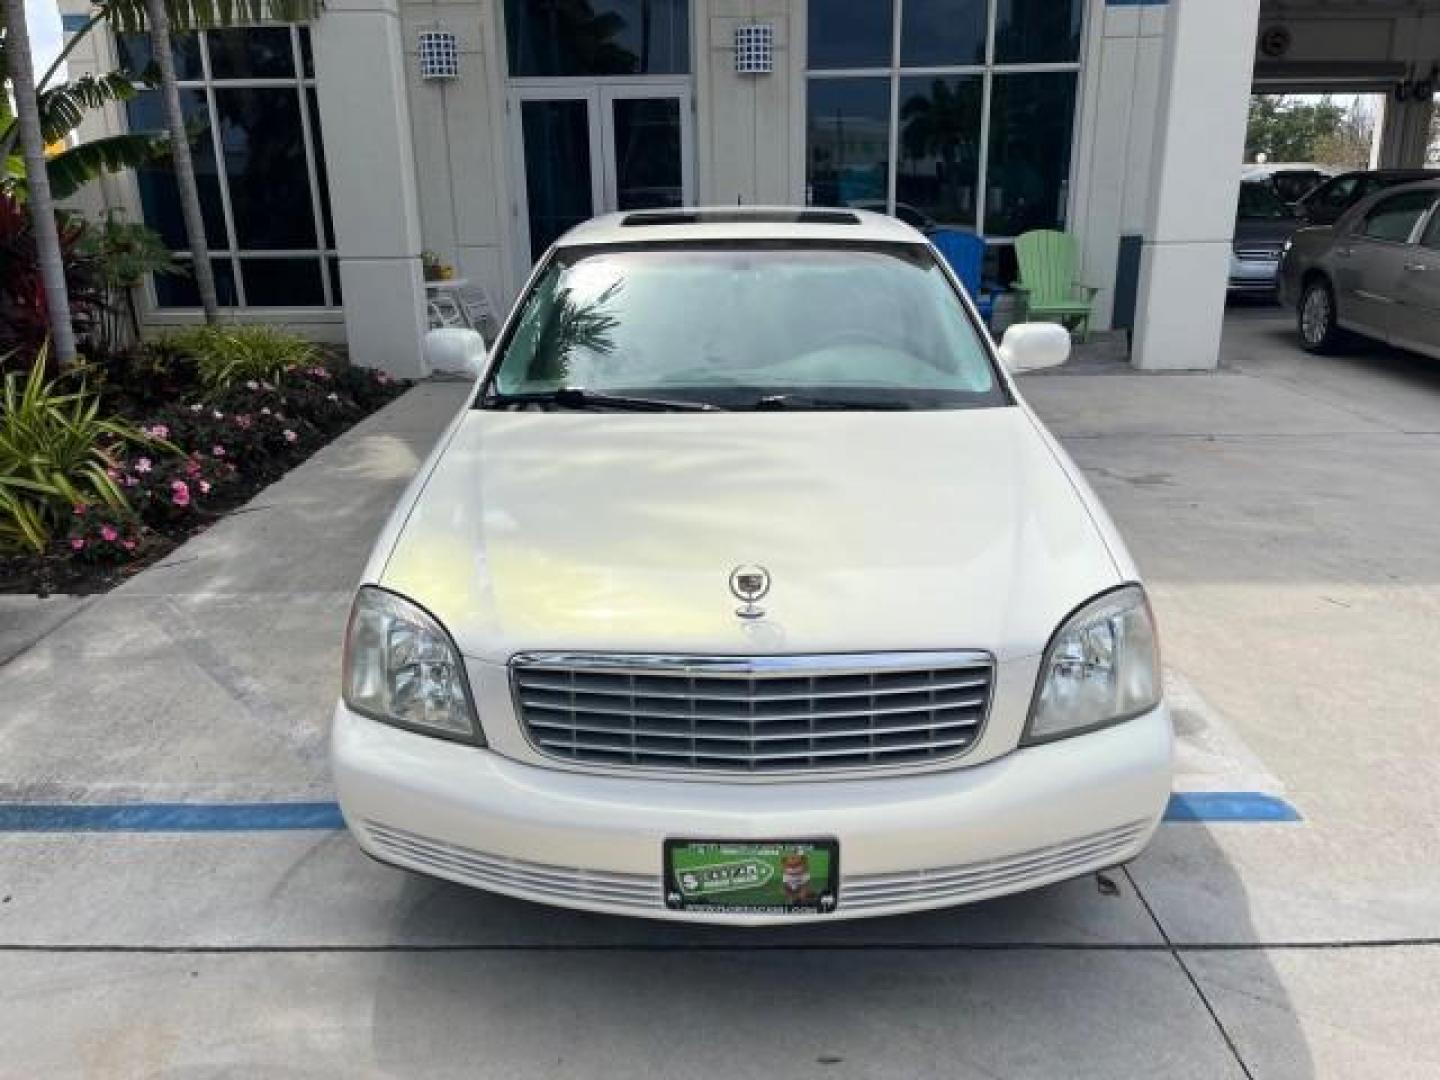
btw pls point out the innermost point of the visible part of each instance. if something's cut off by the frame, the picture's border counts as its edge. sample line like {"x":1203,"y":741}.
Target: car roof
{"x":838,"y":224}
{"x":1418,"y":174}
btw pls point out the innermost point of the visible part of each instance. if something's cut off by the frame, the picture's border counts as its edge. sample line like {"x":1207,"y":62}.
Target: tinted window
{"x":939,"y":167}
{"x":1037,"y":31}
{"x":1293,"y":186}
{"x":732,"y":324}
{"x":265,"y":166}
{"x":1029,"y":166}
{"x":1333,"y":197}
{"x":847,"y":140}
{"x":1258,"y":201}
{"x":1431,"y":237}
{"x":159,"y":193}
{"x":849,"y":33}
{"x":1394,"y":218}
{"x":934,"y":32}
{"x":598,"y":37}
{"x":251,"y":53}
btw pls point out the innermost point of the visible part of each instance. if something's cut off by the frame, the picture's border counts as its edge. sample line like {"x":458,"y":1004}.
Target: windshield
{"x":1258,"y":201}
{"x":754,"y":325}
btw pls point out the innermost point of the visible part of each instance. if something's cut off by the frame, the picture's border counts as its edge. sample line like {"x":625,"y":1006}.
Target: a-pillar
{"x":1206,"y":75}
{"x":365,"y":118}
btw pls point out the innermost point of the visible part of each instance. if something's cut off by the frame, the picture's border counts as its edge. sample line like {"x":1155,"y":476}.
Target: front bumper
{"x":907,"y":843}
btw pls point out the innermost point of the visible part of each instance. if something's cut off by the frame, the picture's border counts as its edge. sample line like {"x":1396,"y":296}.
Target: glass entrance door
{"x":590,"y":149}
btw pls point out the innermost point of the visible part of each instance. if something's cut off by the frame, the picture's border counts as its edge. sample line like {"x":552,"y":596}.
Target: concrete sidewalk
{"x":1284,"y":513}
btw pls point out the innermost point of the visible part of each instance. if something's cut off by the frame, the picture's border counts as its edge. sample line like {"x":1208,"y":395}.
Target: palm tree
{"x":42,"y":207}
{"x":159,"y":17}
{"x":159,"y":20}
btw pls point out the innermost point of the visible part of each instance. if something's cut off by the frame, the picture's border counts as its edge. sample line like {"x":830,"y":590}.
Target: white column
{"x":1195,"y":177}
{"x":364,"y":114}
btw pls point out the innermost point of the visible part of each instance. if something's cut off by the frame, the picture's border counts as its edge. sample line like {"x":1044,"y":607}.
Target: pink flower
{"x":204,"y":486}
{"x":265,"y":410}
{"x":244,"y":421}
{"x":218,"y":415}
{"x":142,"y":464}
{"x":217,"y":450}
{"x":130,"y":481}
{"x":108,"y":533}
{"x":179,"y":493}
{"x":112,"y":472}
{"x":77,"y":543}
{"x":381,"y":378}
{"x":158,"y":431}
{"x":290,"y":436}
{"x":196,"y":407}
{"x":128,"y":545}
{"x":80,"y":508}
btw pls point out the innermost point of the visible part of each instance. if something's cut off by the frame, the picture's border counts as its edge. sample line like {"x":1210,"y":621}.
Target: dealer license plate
{"x":747,"y":877}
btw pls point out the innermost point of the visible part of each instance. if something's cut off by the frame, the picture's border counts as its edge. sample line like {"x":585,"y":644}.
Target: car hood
{"x":618,"y":532}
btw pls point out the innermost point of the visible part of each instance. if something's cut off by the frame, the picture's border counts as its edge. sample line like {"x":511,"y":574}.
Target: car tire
{"x":1315,"y":318}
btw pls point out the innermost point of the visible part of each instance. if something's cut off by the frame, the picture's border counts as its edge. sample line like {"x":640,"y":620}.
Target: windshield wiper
{"x":777,"y":402}
{"x":575,"y":397}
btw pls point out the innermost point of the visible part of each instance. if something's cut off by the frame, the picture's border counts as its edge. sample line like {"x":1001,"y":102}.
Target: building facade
{"x":480,"y":130}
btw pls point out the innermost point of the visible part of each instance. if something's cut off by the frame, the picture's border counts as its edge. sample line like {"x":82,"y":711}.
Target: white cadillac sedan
{"x":747,"y":589}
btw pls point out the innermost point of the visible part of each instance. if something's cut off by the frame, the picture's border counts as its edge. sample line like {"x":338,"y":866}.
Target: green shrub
{"x":56,"y":453}
{"x":226,"y":355}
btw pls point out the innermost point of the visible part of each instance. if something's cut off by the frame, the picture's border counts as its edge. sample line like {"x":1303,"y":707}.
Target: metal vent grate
{"x":439,"y":55}
{"x":764,"y":714}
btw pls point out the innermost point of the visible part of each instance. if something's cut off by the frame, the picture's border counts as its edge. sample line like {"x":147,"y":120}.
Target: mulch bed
{"x":260,"y":443}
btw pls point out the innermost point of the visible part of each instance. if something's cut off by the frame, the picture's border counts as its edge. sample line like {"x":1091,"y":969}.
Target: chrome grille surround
{"x":753,"y":715}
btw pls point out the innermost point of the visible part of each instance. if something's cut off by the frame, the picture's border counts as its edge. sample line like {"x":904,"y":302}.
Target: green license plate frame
{"x":752,"y":877}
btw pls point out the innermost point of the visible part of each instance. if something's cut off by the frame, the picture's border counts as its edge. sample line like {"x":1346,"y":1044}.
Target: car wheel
{"x":1319,"y":332}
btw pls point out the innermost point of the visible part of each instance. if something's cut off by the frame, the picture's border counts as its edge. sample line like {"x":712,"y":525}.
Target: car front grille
{"x":751,"y":715}
{"x":1257,"y":254}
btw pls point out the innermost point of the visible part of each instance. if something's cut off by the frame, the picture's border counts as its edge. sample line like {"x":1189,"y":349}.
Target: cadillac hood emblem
{"x":749,"y":583}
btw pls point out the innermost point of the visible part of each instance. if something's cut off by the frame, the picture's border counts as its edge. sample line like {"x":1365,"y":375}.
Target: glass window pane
{"x":598,"y":37}
{"x":1031,"y":119}
{"x":557,"y":168}
{"x":1037,"y":31}
{"x":134,"y":53}
{"x":178,"y":290}
{"x":307,"y":54}
{"x":647,"y":153}
{"x":251,"y":53}
{"x":939,"y":166}
{"x":943,"y":32}
{"x":850,"y":33}
{"x":336,"y":297}
{"x":265,"y":167}
{"x":159,"y":194}
{"x":847,"y":140}
{"x":320,"y":175}
{"x":282,"y":282}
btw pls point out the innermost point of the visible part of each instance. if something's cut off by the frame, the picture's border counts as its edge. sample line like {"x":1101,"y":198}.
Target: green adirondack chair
{"x":1049,"y":283}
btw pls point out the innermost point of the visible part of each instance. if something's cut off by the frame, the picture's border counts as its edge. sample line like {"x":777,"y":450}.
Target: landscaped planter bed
{"x":204,"y":447}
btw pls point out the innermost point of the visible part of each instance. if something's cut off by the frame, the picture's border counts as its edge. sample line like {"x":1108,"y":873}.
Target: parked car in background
{"x":747,"y":588}
{"x":1325,"y":204}
{"x":1290,"y":181}
{"x":1262,"y":225}
{"x":1376,"y":271}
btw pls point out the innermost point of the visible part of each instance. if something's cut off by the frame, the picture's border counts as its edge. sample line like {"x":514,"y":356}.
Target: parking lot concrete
{"x":1283,"y":511}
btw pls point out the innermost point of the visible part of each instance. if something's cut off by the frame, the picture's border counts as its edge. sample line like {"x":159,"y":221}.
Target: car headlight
{"x":402,"y":668}
{"x":1102,"y":666}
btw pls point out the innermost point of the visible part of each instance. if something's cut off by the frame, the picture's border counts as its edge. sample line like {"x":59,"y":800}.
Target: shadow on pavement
{"x":1064,"y":981}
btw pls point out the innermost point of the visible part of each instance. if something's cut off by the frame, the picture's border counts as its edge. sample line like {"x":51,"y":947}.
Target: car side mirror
{"x":1034,"y":346}
{"x":455,"y":351}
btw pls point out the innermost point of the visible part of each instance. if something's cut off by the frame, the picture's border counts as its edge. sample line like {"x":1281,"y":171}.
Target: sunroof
{"x":741,"y":217}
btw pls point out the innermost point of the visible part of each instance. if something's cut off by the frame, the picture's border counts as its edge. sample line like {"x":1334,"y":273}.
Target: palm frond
{"x":128,"y":16}
{"x":72,"y":169}
{"x":63,"y":108}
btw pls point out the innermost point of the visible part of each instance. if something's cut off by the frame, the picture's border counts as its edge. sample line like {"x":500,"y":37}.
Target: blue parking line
{"x":169,"y":817}
{"x":1195,"y":806}
{"x":1229,"y":806}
